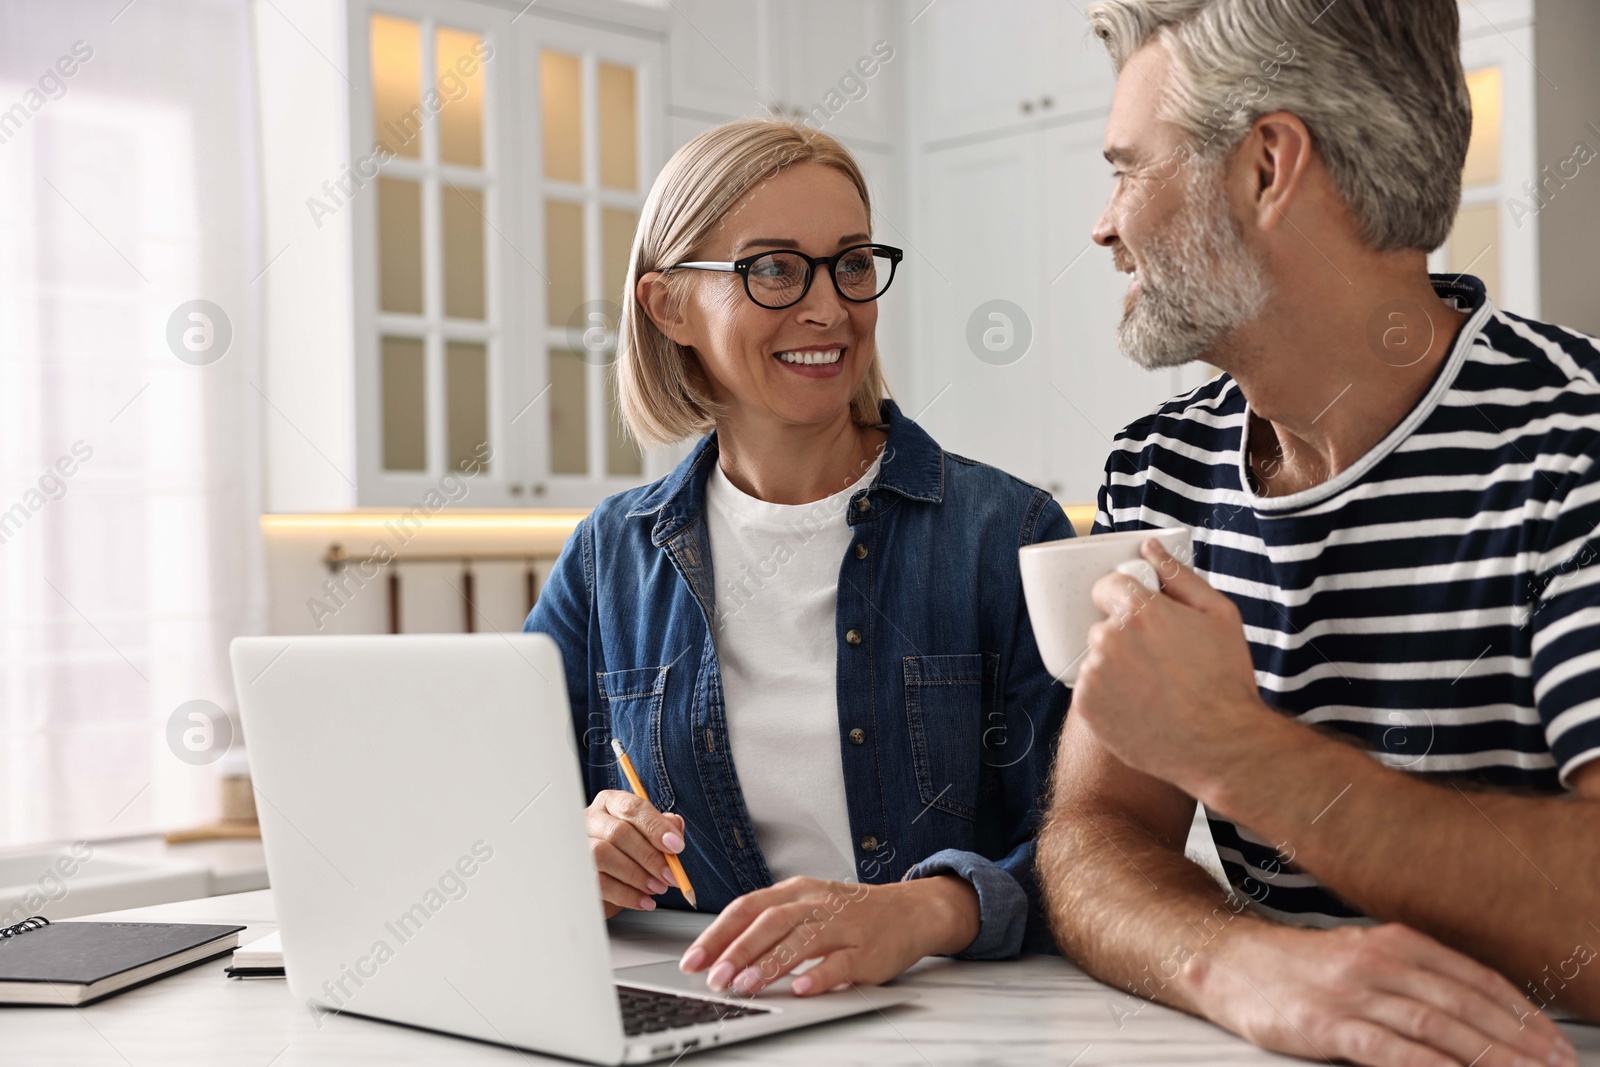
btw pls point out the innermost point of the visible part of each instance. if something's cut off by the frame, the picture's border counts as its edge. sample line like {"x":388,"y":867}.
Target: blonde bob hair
{"x":660,"y":385}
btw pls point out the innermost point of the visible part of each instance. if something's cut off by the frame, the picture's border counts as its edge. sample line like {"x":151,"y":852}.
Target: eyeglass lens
{"x":779,"y":279}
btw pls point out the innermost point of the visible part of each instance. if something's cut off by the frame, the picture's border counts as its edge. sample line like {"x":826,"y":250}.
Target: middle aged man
{"x":1388,"y":695}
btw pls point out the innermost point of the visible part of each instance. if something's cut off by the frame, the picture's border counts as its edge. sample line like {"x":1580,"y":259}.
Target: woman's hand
{"x":863,"y":933}
{"x":627,"y":837}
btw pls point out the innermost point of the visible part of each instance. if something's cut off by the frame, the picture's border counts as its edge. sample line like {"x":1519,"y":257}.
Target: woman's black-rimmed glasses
{"x":781,"y":279}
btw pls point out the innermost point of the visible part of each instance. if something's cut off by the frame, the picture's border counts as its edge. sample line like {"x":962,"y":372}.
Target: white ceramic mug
{"x":1057,"y":577}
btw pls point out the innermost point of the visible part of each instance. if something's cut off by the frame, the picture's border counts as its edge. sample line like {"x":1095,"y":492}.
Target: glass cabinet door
{"x":595,"y":96}
{"x":498,"y":163}
{"x":434,"y":322}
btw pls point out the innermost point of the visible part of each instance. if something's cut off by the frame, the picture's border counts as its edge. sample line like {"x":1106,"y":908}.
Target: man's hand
{"x":863,"y":933}
{"x":1167,"y":679}
{"x":1381,"y":996}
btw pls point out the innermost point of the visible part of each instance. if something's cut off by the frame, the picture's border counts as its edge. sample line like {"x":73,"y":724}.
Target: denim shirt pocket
{"x":633,"y":701}
{"x":947,"y":700}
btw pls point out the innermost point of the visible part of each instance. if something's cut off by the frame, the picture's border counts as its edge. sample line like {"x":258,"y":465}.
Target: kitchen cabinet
{"x":1007,"y":189}
{"x":591,"y":151}
{"x":1009,"y":220}
{"x":835,"y":63}
{"x":484,"y":172}
{"x":978,"y":75}
{"x":717,"y":58}
{"x":981,"y":379}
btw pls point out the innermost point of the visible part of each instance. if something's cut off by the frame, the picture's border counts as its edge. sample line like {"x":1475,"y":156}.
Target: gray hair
{"x":1377,"y":82}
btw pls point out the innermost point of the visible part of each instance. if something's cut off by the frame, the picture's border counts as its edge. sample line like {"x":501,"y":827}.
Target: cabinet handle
{"x":1047,"y":102}
{"x":516,"y":489}
{"x":538,"y":489}
{"x":1027,"y":107}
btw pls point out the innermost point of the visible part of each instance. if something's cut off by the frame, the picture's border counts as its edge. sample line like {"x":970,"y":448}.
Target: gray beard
{"x":1198,"y":283}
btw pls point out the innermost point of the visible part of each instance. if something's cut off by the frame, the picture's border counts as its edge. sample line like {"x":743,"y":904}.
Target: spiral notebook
{"x":73,"y":963}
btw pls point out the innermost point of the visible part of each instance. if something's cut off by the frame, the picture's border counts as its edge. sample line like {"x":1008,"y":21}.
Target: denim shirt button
{"x":858,"y":736}
{"x":869,"y":844}
{"x":852,"y":637}
{"x":861,"y":552}
{"x":863,"y":504}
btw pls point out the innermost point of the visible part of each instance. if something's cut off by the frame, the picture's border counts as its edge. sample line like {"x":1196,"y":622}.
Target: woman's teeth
{"x":830,"y":356}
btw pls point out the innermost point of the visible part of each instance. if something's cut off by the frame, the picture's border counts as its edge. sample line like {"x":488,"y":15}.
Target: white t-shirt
{"x":776,"y":568}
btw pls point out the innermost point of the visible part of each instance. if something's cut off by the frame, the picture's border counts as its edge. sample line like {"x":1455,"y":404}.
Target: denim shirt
{"x":947,"y":716}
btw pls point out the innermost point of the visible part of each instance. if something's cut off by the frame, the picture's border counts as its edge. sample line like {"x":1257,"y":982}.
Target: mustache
{"x":1122,"y":259}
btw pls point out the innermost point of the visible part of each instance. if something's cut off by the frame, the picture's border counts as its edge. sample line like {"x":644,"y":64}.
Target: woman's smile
{"x":813,"y":361}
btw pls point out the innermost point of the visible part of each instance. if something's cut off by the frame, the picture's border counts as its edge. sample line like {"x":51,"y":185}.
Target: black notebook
{"x":72,"y":963}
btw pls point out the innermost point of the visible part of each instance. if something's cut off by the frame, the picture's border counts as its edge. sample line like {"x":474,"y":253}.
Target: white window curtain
{"x":129,"y":478}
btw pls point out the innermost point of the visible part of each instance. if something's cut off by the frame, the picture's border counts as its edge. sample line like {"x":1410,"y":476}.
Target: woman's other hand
{"x":627,"y":837}
{"x":863,"y":934}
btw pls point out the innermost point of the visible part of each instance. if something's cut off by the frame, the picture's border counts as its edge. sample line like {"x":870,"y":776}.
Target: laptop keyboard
{"x":645,"y":1011}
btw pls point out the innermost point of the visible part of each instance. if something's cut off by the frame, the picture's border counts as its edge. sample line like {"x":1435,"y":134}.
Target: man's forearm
{"x":1512,"y":880}
{"x":1130,"y":909}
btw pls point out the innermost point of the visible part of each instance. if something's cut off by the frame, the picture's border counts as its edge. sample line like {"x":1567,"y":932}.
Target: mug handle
{"x":1142,"y":572}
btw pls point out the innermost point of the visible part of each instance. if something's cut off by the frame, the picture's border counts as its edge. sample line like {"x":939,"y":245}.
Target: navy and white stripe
{"x":1435,"y":602}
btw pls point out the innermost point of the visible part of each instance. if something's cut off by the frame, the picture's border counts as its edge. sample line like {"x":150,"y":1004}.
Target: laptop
{"x":421,"y":810}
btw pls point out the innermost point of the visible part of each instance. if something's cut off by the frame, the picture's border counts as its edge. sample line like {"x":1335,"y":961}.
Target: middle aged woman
{"x":810,"y":637}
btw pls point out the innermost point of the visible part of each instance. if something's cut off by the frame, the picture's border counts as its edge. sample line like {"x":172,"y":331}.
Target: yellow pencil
{"x":638,"y":791}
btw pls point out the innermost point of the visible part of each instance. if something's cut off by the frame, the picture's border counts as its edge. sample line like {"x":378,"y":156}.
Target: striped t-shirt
{"x":1434,"y":602}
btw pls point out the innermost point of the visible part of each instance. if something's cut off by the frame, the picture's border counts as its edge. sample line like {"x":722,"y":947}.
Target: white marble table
{"x":1033,"y":1011}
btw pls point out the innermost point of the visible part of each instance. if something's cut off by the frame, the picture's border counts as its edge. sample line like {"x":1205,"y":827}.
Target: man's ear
{"x":1277,"y":157}
{"x":652,"y":294}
